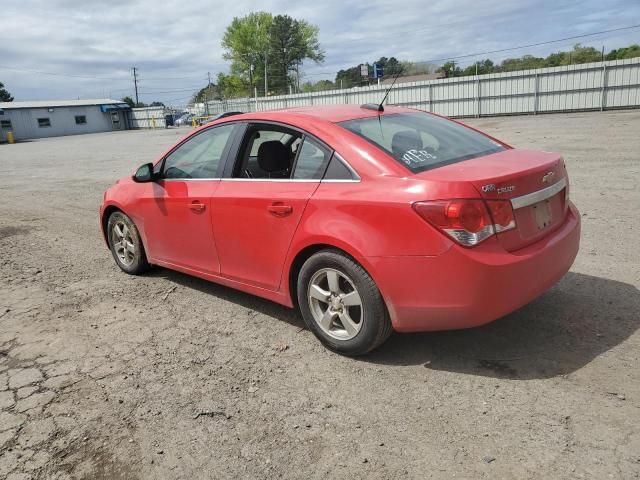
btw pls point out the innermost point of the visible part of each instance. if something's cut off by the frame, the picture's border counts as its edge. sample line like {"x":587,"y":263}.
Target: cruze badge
{"x":547,"y":177}
{"x":492,"y":188}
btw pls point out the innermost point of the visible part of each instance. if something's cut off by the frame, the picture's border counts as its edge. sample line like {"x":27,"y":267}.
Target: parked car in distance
{"x":367,"y":221}
{"x":184,"y":120}
{"x":205,"y":120}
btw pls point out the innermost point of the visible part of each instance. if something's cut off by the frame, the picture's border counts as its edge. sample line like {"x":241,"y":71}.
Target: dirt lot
{"x":103,"y":375}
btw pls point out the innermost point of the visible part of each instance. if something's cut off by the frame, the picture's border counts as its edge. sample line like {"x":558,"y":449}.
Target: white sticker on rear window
{"x":418,"y":157}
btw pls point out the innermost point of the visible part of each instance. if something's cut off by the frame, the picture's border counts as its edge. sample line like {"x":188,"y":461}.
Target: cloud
{"x":175,"y":44}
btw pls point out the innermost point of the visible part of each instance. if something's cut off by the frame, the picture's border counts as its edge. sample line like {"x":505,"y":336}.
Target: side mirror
{"x":144,"y":173}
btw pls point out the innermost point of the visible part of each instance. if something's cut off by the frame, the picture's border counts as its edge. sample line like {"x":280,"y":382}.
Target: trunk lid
{"x":535,"y":183}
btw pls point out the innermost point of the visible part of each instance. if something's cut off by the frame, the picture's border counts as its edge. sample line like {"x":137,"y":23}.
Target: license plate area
{"x":542,"y":214}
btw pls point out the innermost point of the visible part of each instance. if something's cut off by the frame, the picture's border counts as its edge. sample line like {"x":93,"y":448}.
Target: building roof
{"x":59,"y":103}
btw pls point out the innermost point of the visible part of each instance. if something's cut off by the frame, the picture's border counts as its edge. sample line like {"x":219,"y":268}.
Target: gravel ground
{"x":107,"y":376}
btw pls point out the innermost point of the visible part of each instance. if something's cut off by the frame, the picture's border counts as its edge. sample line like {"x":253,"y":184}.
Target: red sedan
{"x":367,"y":221}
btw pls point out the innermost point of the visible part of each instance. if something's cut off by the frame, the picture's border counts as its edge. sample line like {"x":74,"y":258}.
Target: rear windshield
{"x":421,"y":141}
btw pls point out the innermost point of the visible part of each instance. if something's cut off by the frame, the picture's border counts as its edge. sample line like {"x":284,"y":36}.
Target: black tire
{"x":133,"y":263}
{"x":373,"y":318}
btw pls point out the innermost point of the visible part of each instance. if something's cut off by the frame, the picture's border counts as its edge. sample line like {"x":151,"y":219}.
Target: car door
{"x":258,"y":207}
{"x":176,"y":212}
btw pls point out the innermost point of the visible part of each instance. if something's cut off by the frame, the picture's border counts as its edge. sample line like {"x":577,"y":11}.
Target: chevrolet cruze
{"x":367,"y":220}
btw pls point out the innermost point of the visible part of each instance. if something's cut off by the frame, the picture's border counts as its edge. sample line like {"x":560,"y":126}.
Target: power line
{"x":574,"y":37}
{"x":178,"y":90}
{"x":4,"y":67}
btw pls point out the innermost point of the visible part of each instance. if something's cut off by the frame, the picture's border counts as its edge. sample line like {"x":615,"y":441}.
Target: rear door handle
{"x":279,"y":209}
{"x":196,"y":206}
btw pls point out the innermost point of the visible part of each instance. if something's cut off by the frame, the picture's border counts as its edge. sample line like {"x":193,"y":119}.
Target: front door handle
{"x":196,"y":206}
{"x":279,"y":209}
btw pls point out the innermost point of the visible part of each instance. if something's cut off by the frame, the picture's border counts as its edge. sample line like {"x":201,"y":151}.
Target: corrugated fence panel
{"x":148,"y":117}
{"x":591,"y":86}
{"x":623,"y":87}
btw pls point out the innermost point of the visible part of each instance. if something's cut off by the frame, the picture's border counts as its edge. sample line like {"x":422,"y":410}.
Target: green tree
{"x":129,"y":101}
{"x":483,"y":67}
{"x":582,"y":54}
{"x":631,"y":51}
{"x":291,"y":42}
{"x":450,"y":69}
{"x":5,"y":96}
{"x":208,"y":93}
{"x":231,"y":86}
{"x":526,"y":62}
{"x":350,"y":77}
{"x":246,"y":42}
{"x":318,"y":86}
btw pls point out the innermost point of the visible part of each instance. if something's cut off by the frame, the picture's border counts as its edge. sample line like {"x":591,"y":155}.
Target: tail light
{"x":468,"y":221}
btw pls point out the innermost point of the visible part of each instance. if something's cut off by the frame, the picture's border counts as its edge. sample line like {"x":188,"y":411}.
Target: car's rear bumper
{"x":465,"y":288}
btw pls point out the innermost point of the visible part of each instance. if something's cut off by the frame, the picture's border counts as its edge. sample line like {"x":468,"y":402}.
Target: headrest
{"x":273,"y":156}
{"x":404,"y":141}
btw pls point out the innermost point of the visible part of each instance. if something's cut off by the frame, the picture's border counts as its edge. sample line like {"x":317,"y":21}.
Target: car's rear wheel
{"x":341,"y":304}
{"x":125,"y":244}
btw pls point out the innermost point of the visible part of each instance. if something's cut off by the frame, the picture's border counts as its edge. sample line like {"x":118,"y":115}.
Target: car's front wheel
{"x":125,"y":244}
{"x":341,"y":304}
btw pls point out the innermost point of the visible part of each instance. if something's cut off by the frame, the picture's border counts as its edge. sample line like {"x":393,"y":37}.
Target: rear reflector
{"x":468,"y":221}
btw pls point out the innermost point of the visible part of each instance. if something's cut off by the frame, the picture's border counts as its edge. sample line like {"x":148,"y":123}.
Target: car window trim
{"x":233,"y":157}
{"x":250,"y":125}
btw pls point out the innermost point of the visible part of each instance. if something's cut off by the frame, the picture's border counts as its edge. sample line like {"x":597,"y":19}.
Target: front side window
{"x":421,"y":141}
{"x":200,"y":156}
{"x":81,"y":120}
{"x":44,"y":122}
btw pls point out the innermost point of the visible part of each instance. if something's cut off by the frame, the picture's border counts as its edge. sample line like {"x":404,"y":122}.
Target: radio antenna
{"x":380,"y":106}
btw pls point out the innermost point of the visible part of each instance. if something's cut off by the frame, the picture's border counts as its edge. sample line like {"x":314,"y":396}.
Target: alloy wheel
{"x":123,"y":243}
{"x":335,"y":304}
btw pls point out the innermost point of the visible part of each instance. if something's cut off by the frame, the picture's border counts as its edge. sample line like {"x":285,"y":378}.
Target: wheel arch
{"x":106,"y":213}
{"x":307,"y":251}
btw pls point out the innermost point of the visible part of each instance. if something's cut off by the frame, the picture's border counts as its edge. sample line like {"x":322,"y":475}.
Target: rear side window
{"x":421,"y":141}
{"x":312,"y":161}
{"x":338,"y":170}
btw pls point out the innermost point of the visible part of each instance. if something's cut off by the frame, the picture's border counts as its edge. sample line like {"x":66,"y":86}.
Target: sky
{"x":66,"y":49}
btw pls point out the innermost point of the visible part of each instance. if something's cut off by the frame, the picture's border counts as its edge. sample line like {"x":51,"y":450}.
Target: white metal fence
{"x":590,"y":86}
{"x":146,"y":117}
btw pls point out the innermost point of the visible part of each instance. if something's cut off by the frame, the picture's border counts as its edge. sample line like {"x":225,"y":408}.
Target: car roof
{"x":328,"y":113}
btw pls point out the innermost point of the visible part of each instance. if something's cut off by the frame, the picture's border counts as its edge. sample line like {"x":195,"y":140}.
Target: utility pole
{"x":285,"y":70}
{"x":266,"y":89}
{"x":250,"y":77}
{"x":135,"y":83}
{"x":206,"y":101}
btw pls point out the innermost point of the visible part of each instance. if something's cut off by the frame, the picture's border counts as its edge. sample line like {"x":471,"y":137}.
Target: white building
{"x":53,"y":118}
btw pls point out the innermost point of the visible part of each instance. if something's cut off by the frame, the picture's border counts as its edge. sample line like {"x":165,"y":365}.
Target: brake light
{"x":502,"y":215}
{"x":468,"y":221}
